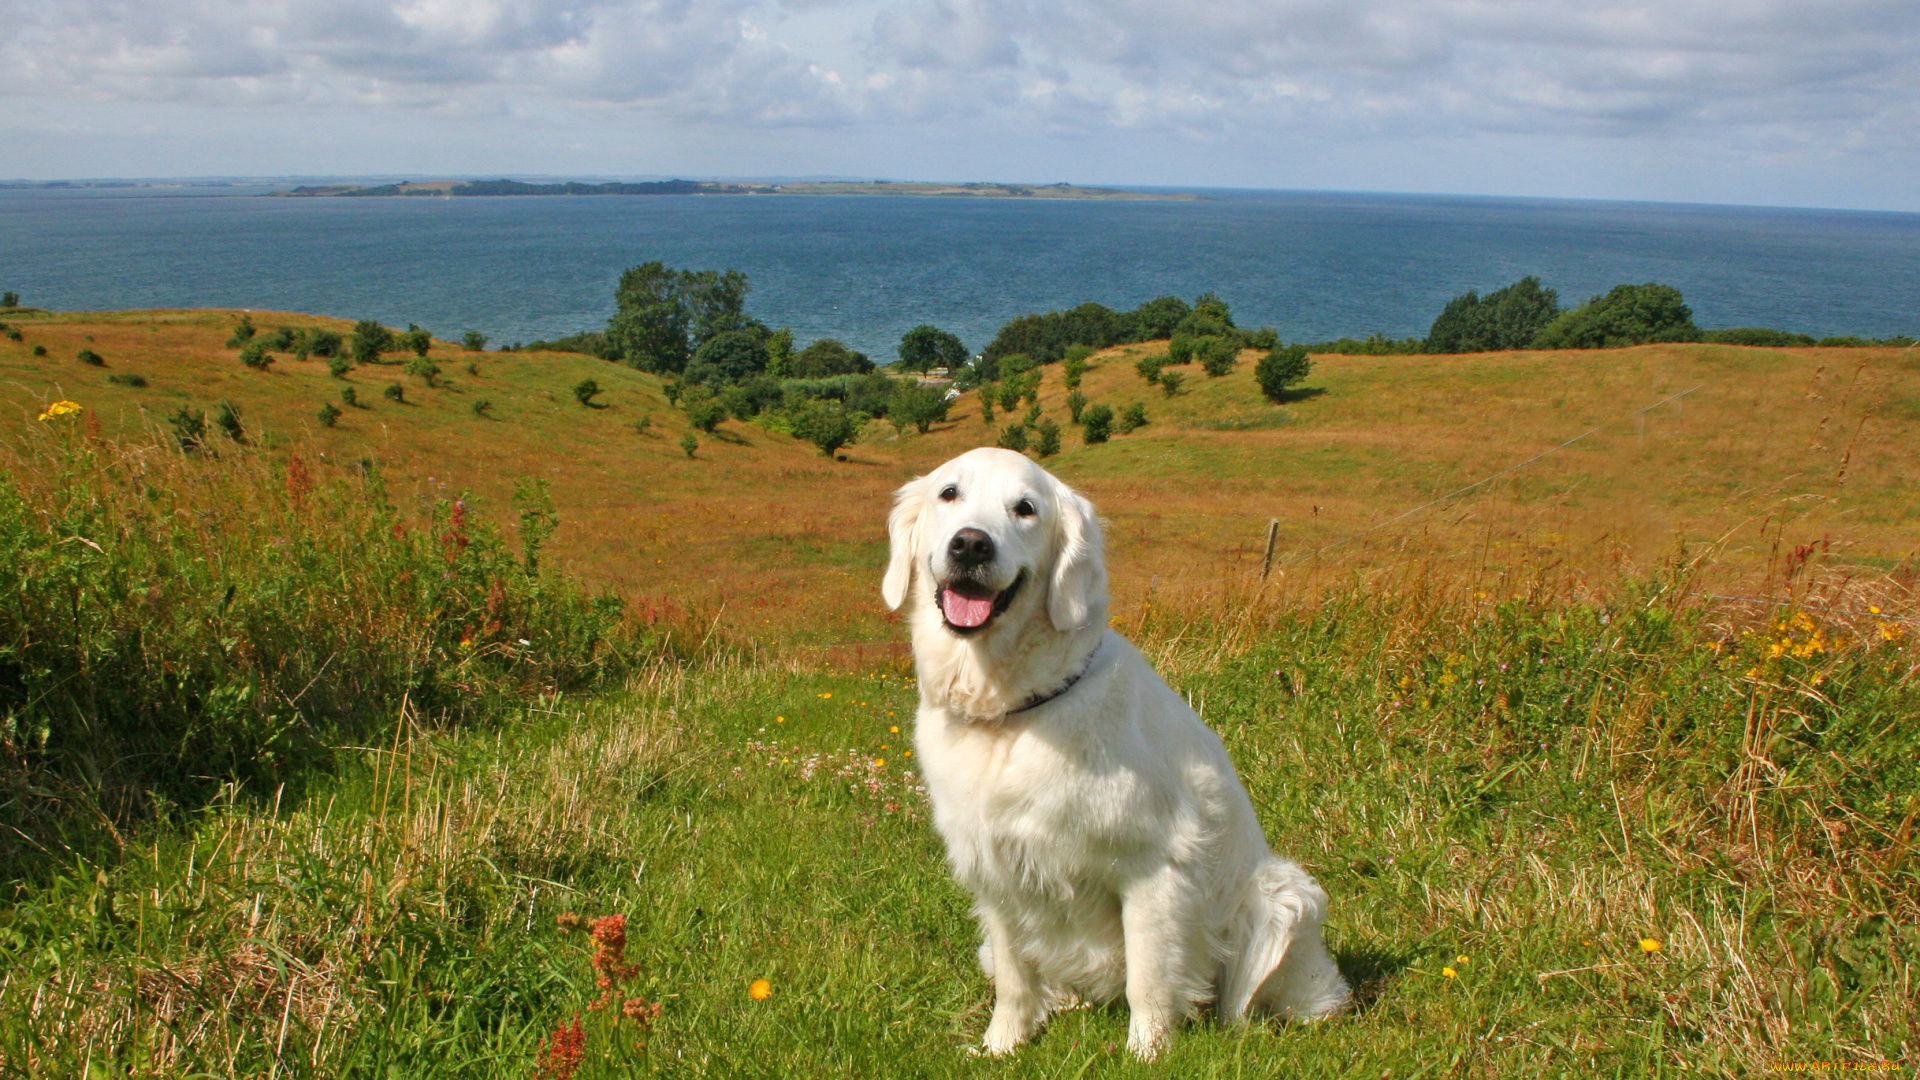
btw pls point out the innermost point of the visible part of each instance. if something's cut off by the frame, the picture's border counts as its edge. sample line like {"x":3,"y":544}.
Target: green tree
{"x":329,"y":414}
{"x":416,"y":339}
{"x":483,"y":409}
{"x":243,"y":332}
{"x":689,"y":443}
{"x":1280,"y":369}
{"x":1150,"y":365}
{"x":584,"y":392}
{"x":1217,"y":355}
{"x":921,"y":406}
{"x":90,"y":358}
{"x":255,"y":355}
{"x":1171,"y":382}
{"x":370,"y":339}
{"x":1073,"y":371}
{"x":426,"y":369}
{"x":474,"y":341}
{"x":728,"y":358}
{"x":662,"y":315}
{"x":394,"y":392}
{"x":9,"y":299}
{"x":189,"y":427}
{"x":987,"y":394}
{"x":1097,"y":424}
{"x":924,"y":348}
{"x":1626,"y":315}
{"x":827,"y":424}
{"x":1048,"y":443}
{"x":338,"y":366}
{"x":1507,"y":318}
{"x":227,"y":418}
{"x":705,"y":412}
{"x":348,"y":395}
{"x":1014,"y":438}
{"x":1076,"y":403}
{"x":317,"y":342}
{"x":1156,"y":318}
{"x":533,"y":498}
{"x":780,"y":353}
{"x":827,"y":357}
{"x":1132,"y":418}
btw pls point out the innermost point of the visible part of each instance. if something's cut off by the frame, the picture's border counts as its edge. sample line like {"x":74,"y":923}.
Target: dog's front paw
{"x":1008,"y":1029}
{"x":1145,"y":1039}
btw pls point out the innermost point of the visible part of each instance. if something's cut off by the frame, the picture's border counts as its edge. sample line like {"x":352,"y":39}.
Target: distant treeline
{"x":516,"y":187}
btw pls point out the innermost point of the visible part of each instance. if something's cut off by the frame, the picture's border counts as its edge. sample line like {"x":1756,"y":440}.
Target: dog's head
{"x":990,"y":536}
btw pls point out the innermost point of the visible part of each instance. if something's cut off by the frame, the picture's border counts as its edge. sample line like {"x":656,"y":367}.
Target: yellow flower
{"x":879,"y":763}
{"x":1874,"y":608}
{"x":59,"y":409}
{"x":1649,"y":945}
{"x":779,"y":719}
{"x":828,"y":694}
{"x":909,"y":753}
{"x":1461,"y":959}
{"x":1450,"y":973}
{"x":894,"y":730}
{"x":759,"y":989}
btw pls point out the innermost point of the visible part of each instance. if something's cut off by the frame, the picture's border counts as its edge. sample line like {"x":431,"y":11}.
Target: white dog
{"x":1097,"y":821}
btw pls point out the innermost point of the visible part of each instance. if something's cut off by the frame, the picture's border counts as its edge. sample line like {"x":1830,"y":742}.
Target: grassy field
{"x":1575,"y":817}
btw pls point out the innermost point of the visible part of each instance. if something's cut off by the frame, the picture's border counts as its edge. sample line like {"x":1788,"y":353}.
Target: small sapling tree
{"x":1149,"y":366}
{"x":828,"y":424}
{"x":338,"y":366}
{"x":189,"y":427}
{"x":394,"y":392}
{"x":242,"y":332}
{"x":1098,"y":424}
{"x":1073,"y":371}
{"x":1132,"y":418}
{"x":1014,"y":438}
{"x":483,"y":409}
{"x":370,"y":339}
{"x":474,"y":341}
{"x":1172,"y":381}
{"x":584,"y":392}
{"x":689,"y":443}
{"x":347,"y":395}
{"x":1217,"y":355}
{"x":987,"y":394}
{"x":329,"y":414}
{"x":416,"y":339}
{"x":1076,"y":404}
{"x":427,"y":370}
{"x":255,"y":355}
{"x":91,"y":358}
{"x":1280,"y":369}
{"x":227,"y":419}
{"x":39,"y":350}
{"x":1048,"y":443}
{"x":706,"y":413}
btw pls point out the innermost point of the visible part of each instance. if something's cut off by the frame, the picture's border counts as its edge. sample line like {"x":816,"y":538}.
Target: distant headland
{"x":456,"y":189}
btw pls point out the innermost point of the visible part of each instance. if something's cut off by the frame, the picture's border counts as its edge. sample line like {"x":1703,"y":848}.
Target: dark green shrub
{"x":924,"y":348}
{"x":348,"y":395}
{"x":473,"y":369}
{"x":189,"y":427}
{"x":416,"y":339}
{"x":226,"y":417}
{"x":1626,"y":315}
{"x":1264,"y":338}
{"x":39,"y":350}
{"x":329,"y":414}
{"x":689,"y":444}
{"x":1132,"y":418}
{"x":1171,"y":382}
{"x":15,"y":335}
{"x":1217,"y":355}
{"x":281,"y":339}
{"x":1048,"y":443}
{"x":706,"y":413}
{"x":729,"y":358}
{"x":1374,"y":345}
{"x":255,"y":355}
{"x":1753,"y":335}
{"x":643,"y":425}
{"x":483,"y":409}
{"x":338,"y":366}
{"x":1280,"y":369}
{"x":1097,"y":423}
{"x":474,"y":341}
{"x":370,"y":339}
{"x":394,"y":392}
{"x":752,"y":396}
{"x":9,"y":299}
{"x":426,"y":369}
{"x":91,"y":358}
{"x":1507,"y":318}
{"x":242,"y":332}
{"x":1846,"y":341}
{"x":1011,"y":391}
{"x":827,"y":424}
{"x":126,"y":378}
{"x":314,"y":341}
{"x":584,"y":392}
{"x":828,"y":357}
{"x":1150,"y":366}
{"x":987,"y":394}
{"x":920,"y":406}
{"x":1076,"y":403}
{"x":1073,"y":371}
{"x":1014,"y":437}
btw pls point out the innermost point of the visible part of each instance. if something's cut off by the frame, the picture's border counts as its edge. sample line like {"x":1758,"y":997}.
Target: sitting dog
{"x":1108,"y":844}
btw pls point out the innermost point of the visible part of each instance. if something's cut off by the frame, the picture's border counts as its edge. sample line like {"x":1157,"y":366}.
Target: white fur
{"x":1108,"y":844}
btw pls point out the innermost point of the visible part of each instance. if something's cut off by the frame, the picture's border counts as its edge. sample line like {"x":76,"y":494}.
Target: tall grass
{"x":173,"y":622}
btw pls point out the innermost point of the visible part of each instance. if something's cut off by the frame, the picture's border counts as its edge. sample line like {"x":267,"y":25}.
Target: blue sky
{"x":1785,"y":102}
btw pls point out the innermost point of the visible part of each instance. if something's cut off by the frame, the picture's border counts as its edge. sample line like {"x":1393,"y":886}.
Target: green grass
{"x":1535,"y":785}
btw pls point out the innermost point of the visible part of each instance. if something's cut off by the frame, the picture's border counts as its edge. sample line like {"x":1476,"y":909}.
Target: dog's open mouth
{"x":969,"y":606}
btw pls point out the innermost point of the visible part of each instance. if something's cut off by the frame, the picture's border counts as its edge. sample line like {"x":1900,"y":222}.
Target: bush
{"x":753,"y":396}
{"x":39,"y":350}
{"x":338,"y":366}
{"x":1507,"y":318}
{"x":280,"y":339}
{"x":1374,"y":345}
{"x":329,"y":414}
{"x":1626,"y":315}
{"x":1150,"y":366}
{"x":1217,"y":355}
{"x":91,"y":358}
{"x":9,"y":299}
{"x":1098,"y":424}
{"x":238,"y":619}
{"x":425,"y":369}
{"x":689,"y":444}
{"x":189,"y":427}
{"x":987,"y":394}
{"x":920,"y":406}
{"x":827,"y":424}
{"x":828,"y":357}
{"x":1073,"y":371}
{"x":1172,"y":381}
{"x":728,"y":358}
{"x":924,"y":348}
{"x":242,"y":332}
{"x":416,"y":339}
{"x":1076,"y":403}
{"x":584,"y":392}
{"x":474,"y":341}
{"x":1280,"y":369}
{"x":255,"y":355}
{"x":227,"y":418}
{"x":314,"y":341}
{"x":126,"y":378}
{"x":347,"y":395}
{"x":1132,"y":418}
{"x":394,"y":392}
{"x":706,"y":413}
{"x":1753,"y":335}
{"x":1048,"y":443}
{"x":370,"y":339}
{"x":1014,"y":438}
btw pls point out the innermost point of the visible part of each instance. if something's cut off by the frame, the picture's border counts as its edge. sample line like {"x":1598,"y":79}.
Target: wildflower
{"x":879,"y":763}
{"x":59,"y":409}
{"x":567,"y":920}
{"x":1449,"y":973}
{"x":759,"y":989}
{"x":1461,"y":959}
{"x":894,"y":730}
{"x":640,"y":1012}
{"x":610,"y":958}
{"x":559,"y":1055}
{"x":779,"y":719}
{"x":828,"y":694}
{"x":1649,"y":945}
{"x":1873,"y":609}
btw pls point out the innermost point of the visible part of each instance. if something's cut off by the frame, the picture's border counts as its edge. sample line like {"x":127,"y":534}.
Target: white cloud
{"x":1761,"y":77}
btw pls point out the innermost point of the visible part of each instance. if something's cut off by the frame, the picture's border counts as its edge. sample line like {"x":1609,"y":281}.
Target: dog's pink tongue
{"x":965,"y":610}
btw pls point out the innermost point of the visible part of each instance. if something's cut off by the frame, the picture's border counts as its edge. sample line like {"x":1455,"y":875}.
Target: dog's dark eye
{"x":1023,"y":508}
{"x":949,"y":493}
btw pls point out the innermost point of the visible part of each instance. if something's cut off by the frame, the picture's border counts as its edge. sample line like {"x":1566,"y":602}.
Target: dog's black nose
{"x":970,"y":547}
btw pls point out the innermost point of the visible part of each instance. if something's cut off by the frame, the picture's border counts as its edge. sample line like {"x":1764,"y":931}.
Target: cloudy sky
{"x":1793,"y":102}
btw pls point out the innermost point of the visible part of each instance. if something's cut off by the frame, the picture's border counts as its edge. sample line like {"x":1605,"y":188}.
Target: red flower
{"x":560,"y":1054}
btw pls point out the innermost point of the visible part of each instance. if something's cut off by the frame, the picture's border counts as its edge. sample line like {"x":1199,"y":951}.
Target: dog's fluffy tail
{"x":1279,"y":964}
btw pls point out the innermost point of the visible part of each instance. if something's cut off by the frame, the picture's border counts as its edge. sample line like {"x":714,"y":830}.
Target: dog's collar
{"x":1038,"y":700}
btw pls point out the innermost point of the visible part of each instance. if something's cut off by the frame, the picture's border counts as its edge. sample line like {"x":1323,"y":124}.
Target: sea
{"x":864,"y":269}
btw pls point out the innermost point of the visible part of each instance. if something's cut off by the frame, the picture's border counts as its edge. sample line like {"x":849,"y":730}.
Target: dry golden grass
{"x":760,"y":536}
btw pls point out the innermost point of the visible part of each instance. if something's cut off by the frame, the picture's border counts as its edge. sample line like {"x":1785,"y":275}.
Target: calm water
{"x":1312,"y":265}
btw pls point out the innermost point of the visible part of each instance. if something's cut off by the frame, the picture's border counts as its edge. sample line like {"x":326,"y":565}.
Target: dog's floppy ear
{"x":903,"y":529}
{"x":1077,"y":595}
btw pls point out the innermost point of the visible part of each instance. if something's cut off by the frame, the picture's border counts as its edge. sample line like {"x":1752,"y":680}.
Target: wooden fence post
{"x":1273,"y":533}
